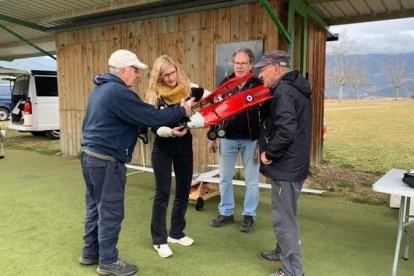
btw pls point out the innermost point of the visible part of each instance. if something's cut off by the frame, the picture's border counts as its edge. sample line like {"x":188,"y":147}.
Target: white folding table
{"x":391,"y":183}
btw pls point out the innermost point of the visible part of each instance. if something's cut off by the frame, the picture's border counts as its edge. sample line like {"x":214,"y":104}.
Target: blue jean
{"x":229,"y":150}
{"x":105,"y":191}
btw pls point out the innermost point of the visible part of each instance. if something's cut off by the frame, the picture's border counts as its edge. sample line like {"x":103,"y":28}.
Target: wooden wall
{"x":190,"y":38}
{"x":315,"y":70}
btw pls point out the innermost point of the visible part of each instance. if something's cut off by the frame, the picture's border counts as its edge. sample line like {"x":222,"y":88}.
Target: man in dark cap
{"x":285,"y":153}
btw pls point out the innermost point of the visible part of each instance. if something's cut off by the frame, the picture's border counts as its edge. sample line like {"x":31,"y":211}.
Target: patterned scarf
{"x":173,"y":96}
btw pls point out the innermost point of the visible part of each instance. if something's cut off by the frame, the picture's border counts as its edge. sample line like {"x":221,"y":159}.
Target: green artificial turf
{"x":41,"y":228}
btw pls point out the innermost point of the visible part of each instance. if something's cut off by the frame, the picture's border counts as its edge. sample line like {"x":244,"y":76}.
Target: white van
{"x":35,"y":104}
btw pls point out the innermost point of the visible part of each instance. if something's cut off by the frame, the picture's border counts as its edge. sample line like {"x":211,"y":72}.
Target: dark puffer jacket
{"x":286,"y":129}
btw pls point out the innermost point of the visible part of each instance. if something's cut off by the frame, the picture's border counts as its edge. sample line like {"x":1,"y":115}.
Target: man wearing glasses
{"x":242,"y":134}
{"x":285,"y":153}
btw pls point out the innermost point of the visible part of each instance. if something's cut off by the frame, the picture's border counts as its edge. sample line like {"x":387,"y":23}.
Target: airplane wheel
{"x":199,"y":204}
{"x":211,"y":135}
{"x":221,"y":132}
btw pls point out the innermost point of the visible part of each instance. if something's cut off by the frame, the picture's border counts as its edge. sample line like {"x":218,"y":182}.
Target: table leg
{"x":405,"y":233}
{"x":400,"y":230}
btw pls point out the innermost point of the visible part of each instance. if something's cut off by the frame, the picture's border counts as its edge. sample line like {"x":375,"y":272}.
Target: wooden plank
{"x":252,"y":21}
{"x":261,"y":185}
{"x":167,"y":24}
{"x":183,"y":22}
{"x":209,"y":17}
{"x":222,"y":25}
{"x":180,"y":47}
{"x":261,"y":25}
{"x":202,"y":20}
{"x":193,"y":71}
{"x":244,"y":23}
{"x":234,"y":24}
{"x":193,"y":21}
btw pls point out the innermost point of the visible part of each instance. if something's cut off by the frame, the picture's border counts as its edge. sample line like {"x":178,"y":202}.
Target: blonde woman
{"x":172,"y":149}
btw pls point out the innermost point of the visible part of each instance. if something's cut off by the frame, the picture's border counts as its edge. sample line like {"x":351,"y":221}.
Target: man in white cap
{"x":110,"y":126}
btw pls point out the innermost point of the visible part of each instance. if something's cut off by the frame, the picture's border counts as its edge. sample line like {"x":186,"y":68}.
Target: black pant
{"x":105,"y":191}
{"x":164,"y":157}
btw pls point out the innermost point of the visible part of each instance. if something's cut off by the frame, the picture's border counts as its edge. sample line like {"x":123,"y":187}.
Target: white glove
{"x":164,"y":132}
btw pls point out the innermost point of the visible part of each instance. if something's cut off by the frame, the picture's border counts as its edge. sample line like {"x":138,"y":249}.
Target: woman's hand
{"x":178,"y":131}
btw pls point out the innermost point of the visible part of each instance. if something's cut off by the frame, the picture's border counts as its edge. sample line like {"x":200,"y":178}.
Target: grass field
{"x":370,"y":136}
{"x":365,"y":139}
{"x":42,"y":215}
{"x":26,"y":141}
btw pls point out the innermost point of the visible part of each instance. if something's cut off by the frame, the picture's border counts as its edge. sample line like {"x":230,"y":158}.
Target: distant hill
{"x":379,"y":85}
{"x":35,"y":63}
{"x":27,"y":64}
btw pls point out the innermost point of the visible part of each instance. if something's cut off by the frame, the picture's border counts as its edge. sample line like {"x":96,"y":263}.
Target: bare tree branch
{"x":357,"y":75}
{"x":338,"y":72}
{"x":395,"y":69}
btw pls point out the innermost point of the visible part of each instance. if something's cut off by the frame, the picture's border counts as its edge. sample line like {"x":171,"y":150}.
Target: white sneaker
{"x":163,"y":250}
{"x":185,"y":241}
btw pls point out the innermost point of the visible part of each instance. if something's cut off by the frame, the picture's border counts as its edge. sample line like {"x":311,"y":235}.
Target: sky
{"x":396,"y":36}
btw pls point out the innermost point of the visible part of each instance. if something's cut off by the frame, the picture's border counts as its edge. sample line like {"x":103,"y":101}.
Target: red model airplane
{"x":220,"y":109}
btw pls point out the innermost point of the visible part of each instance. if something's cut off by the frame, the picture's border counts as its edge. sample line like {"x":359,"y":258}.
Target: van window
{"x":46,"y":86}
{"x":5,"y":91}
{"x":21,"y":86}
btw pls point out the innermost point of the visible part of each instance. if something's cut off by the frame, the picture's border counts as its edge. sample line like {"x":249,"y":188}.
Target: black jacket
{"x":286,"y":129}
{"x":246,"y":124}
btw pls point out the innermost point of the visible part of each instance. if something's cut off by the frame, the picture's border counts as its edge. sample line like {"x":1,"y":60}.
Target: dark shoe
{"x":247,"y":224}
{"x":118,"y":268}
{"x":88,"y":260}
{"x":222,"y":220}
{"x":271,"y":256}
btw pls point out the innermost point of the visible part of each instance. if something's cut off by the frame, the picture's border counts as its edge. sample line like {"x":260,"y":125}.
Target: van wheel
{"x":4,"y":114}
{"x":52,"y":134}
{"x":37,"y":133}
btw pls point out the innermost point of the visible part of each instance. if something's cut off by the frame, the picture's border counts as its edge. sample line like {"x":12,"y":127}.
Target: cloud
{"x":396,"y":36}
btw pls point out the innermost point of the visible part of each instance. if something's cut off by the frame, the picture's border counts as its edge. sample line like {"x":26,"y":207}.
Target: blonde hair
{"x":156,"y":77}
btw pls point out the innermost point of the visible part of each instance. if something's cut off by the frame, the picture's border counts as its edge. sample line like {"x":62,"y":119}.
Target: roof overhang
{"x":29,"y":29}
{"x":338,"y":12}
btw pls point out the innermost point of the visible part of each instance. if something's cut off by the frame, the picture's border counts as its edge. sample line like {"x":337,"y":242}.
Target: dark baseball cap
{"x":274,"y":57}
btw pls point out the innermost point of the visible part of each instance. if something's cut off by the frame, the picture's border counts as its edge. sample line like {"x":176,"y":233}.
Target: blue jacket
{"x":113,"y":115}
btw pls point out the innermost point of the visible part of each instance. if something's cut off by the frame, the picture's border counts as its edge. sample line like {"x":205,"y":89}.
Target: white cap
{"x":125,"y":58}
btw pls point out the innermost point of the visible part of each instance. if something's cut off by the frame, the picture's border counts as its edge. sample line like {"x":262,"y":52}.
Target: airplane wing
{"x":230,"y":106}
{"x":229,"y":85}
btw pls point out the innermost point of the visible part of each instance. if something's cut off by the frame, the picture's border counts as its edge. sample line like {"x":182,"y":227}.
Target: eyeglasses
{"x":169,"y":75}
{"x":265,"y":67}
{"x":241,"y":63}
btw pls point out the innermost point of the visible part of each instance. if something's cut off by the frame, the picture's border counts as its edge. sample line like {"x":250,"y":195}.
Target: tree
{"x":357,"y":75}
{"x":395,"y":69}
{"x":337,"y":72}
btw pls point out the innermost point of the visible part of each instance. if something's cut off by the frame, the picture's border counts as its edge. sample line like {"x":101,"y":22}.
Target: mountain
{"x":378,"y":82}
{"x":25,"y":64}
{"x":34,"y":63}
